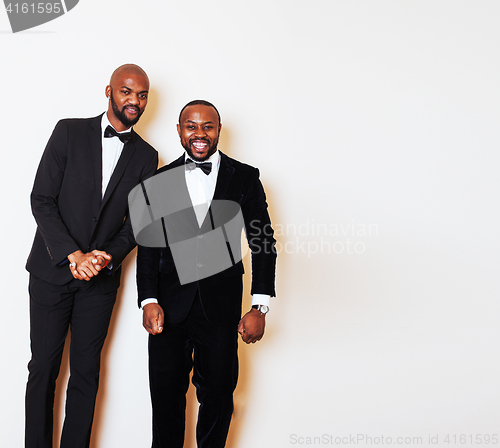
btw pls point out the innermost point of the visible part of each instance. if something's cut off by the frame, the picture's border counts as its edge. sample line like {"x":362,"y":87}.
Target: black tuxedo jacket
{"x":220,"y":294}
{"x":67,"y":205}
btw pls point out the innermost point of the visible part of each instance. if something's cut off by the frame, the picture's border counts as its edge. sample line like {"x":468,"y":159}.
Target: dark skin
{"x":129,"y":86}
{"x":84,"y":266}
{"x":199,"y":131}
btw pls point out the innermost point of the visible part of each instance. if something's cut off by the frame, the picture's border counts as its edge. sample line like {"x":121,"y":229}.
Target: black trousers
{"x":212,"y":352}
{"x":53,"y":309}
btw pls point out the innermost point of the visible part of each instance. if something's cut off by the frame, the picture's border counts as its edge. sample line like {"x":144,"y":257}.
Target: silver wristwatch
{"x":263,"y":309}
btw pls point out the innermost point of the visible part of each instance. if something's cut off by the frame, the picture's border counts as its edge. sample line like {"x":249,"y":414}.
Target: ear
{"x":107,"y":91}
{"x":179,"y":129}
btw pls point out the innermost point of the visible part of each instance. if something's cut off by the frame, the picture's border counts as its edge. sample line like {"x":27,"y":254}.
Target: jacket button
{"x":94,"y":219}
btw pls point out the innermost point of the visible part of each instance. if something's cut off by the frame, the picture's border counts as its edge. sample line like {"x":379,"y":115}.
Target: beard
{"x":212,"y":147}
{"x":120,"y":114}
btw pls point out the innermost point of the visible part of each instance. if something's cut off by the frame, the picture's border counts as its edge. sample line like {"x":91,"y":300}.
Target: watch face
{"x":264,"y":309}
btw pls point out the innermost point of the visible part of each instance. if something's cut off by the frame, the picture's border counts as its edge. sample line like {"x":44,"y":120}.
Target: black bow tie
{"x":206,"y":167}
{"x":111,"y":132}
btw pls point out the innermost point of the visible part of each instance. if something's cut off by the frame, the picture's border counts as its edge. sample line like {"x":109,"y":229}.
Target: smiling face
{"x":128,"y":96}
{"x":199,"y":130}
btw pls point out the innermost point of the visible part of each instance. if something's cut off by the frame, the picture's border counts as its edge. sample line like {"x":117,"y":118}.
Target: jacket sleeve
{"x":44,"y":196}
{"x":148,"y":264}
{"x":260,"y":236}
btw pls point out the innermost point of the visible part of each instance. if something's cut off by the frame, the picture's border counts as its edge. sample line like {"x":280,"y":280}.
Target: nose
{"x":134,"y":100}
{"x":199,"y":132}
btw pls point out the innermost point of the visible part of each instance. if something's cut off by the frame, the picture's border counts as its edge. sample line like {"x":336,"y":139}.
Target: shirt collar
{"x":214,"y":158}
{"x":105,"y":123}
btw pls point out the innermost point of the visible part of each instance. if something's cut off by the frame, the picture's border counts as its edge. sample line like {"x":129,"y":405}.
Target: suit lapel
{"x":224,"y":177}
{"x":226,"y":171}
{"x":177,"y":163}
{"x":125,"y":157}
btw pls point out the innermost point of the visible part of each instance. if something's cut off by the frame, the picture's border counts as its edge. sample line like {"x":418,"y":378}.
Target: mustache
{"x":130,"y":107}
{"x":203,"y":139}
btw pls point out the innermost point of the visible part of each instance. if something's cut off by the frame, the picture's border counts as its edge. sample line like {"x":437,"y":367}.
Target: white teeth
{"x":199,"y":145}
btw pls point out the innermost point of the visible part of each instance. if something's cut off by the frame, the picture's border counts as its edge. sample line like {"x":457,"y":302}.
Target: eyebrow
{"x":205,"y":122}
{"x":128,"y":88}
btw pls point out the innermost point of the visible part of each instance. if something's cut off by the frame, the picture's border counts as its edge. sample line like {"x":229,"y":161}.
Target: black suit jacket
{"x":67,"y":205}
{"x":221,"y":293}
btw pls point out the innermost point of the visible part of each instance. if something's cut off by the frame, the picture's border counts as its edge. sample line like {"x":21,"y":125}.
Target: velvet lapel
{"x":224,"y":176}
{"x":226,"y":172}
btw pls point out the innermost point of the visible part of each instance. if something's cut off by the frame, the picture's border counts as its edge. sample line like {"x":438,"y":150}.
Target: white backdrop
{"x":375,"y":126}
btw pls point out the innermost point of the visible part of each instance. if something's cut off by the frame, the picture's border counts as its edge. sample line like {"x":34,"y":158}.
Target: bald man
{"x":79,"y":201}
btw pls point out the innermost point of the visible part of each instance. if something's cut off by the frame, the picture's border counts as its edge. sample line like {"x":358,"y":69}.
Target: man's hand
{"x":85,"y":266}
{"x":252,"y":326}
{"x":153,"y":318}
{"x":101,"y":259}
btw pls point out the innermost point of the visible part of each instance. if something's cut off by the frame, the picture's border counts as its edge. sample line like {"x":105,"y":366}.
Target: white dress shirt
{"x":201,"y":188}
{"x":111,"y":151}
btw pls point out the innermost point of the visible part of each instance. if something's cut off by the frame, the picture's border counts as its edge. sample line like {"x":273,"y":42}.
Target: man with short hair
{"x":194,"y":321}
{"x":79,"y":201}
